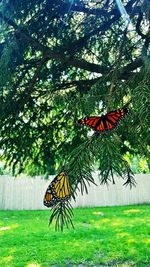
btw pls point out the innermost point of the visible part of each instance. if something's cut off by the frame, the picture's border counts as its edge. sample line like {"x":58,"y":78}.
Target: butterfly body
{"x":58,"y":190}
{"x":105,"y":122}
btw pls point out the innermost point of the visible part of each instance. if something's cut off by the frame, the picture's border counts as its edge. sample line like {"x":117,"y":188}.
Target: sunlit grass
{"x":5,"y":228}
{"x":132,"y":211}
{"x":108,"y":236}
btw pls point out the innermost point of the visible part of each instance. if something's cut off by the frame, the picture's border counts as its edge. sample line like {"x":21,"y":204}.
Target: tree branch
{"x":100,"y":12}
{"x":125,"y":72}
{"x":75,"y":46}
{"x":70,"y":61}
{"x":85,"y":84}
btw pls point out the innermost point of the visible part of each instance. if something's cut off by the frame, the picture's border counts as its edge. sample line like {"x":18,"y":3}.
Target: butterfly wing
{"x":112,"y":118}
{"x":96,"y":123}
{"x":61,"y":186}
{"x":90,"y":121}
{"x":49,"y":198}
{"x":58,"y":190}
{"x":106,"y":122}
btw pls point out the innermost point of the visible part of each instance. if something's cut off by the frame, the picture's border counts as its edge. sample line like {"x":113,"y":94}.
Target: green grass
{"x":108,"y":236}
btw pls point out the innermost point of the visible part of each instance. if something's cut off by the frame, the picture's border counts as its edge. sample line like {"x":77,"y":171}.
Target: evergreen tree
{"x":62,"y":60}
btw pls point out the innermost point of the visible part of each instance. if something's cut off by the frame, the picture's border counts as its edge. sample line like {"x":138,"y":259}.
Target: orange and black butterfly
{"x":105,"y":122}
{"x":58,"y":190}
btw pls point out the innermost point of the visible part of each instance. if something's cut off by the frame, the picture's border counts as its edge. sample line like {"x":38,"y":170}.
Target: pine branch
{"x":79,"y":177}
{"x":98,"y":148}
{"x":111,"y":162}
{"x":78,"y":168}
{"x":62,"y":215}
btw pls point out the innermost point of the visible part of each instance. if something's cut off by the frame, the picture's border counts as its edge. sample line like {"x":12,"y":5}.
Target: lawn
{"x":104,"y":236}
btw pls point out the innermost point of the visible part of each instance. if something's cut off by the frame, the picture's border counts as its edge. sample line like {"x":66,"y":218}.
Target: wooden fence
{"x":26,"y":193}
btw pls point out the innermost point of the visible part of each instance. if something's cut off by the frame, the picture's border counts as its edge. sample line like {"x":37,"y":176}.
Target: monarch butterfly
{"x":58,"y":190}
{"x":105,"y":122}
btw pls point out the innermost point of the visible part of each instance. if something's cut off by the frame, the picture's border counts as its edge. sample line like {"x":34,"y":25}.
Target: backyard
{"x":74,"y":112}
{"x":103,"y":236}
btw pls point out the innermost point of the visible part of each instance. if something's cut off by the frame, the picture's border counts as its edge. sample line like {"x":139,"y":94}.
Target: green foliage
{"x":64,"y":60}
{"x":138,"y":165}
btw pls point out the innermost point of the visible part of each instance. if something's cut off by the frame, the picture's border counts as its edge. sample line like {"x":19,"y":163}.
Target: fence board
{"x":26,"y":193}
